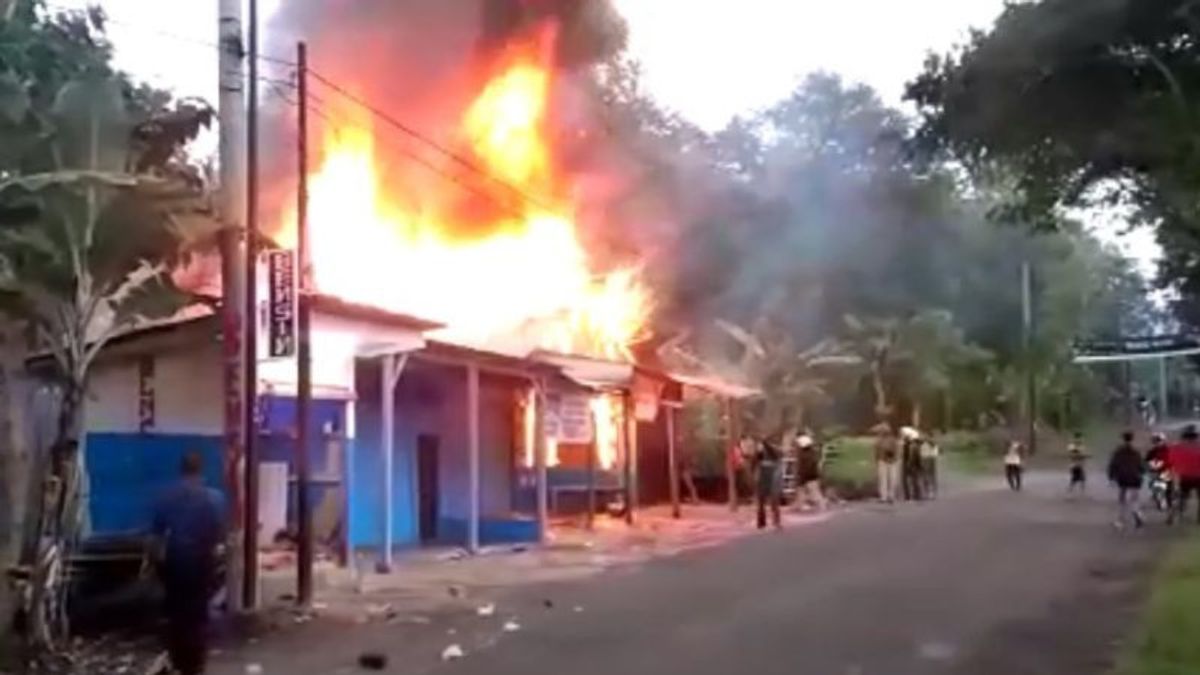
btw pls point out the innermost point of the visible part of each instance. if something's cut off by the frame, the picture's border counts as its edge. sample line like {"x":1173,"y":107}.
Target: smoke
{"x":422,"y":63}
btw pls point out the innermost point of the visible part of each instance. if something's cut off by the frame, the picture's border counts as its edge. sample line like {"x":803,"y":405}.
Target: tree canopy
{"x":1081,"y":103}
{"x":814,"y":210}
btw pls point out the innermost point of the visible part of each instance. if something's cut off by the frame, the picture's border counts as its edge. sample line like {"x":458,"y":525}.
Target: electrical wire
{"x":329,"y":83}
{"x":427,"y":141}
{"x":425,"y":163}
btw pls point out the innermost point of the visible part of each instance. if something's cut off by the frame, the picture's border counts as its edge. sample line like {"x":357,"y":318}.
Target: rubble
{"x":372,"y":661}
{"x":452,"y":652}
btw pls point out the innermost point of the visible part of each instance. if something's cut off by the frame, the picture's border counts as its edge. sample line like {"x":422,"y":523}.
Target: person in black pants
{"x":910,"y":463}
{"x":1127,"y":470}
{"x":766,"y":469}
{"x":1014,"y":460}
{"x":188,"y":530}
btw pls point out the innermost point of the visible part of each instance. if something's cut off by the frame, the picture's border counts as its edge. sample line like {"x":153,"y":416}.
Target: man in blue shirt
{"x":189,"y":530}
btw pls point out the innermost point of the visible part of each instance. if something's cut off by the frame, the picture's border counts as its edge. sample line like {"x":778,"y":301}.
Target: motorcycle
{"x":1161,"y":486}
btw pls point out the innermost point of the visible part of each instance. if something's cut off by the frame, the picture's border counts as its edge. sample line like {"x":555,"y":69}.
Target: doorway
{"x":428,"y":486}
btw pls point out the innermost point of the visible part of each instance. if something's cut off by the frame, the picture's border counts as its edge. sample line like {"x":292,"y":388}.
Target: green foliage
{"x":810,"y":223}
{"x":1166,"y":643}
{"x":98,"y":203}
{"x":1116,"y":84}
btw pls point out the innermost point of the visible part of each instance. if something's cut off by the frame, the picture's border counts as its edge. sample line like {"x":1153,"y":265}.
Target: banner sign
{"x":279,"y":310}
{"x":568,"y":418}
{"x":1133,"y":347}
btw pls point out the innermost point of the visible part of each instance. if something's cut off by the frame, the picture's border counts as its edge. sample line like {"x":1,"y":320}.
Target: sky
{"x":707,"y":59}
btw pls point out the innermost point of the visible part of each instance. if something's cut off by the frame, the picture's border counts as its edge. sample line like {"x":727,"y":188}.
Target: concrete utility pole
{"x":232,"y":196}
{"x":1031,"y":406}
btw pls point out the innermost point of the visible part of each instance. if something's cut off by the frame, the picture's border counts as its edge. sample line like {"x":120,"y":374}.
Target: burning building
{"x":473,"y":339}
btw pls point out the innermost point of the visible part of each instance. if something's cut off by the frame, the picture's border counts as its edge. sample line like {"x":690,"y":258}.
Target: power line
{"x":493,"y":199}
{"x":422,"y":138}
{"x":328,"y":82}
{"x":171,"y":35}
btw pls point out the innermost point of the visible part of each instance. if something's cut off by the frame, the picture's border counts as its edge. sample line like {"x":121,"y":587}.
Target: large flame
{"x":521,"y":277}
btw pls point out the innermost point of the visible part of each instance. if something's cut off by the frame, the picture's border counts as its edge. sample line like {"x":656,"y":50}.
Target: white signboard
{"x":568,"y":418}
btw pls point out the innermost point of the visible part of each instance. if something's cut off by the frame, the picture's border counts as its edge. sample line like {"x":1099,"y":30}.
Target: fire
{"x":518,"y":276}
{"x":607,"y":417}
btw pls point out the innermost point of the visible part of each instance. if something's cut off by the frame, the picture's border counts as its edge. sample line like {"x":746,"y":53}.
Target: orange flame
{"x":520,"y":280}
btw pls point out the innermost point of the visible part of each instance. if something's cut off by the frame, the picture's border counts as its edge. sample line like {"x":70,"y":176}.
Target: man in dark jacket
{"x":767,"y":486}
{"x":1127,"y":470}
{"x":189,"y":526}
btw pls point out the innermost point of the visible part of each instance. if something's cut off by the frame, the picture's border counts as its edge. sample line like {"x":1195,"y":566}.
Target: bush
{"x":850,"y":467}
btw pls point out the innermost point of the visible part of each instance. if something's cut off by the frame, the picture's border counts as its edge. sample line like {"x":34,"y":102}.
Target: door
{"x":428,"y":486}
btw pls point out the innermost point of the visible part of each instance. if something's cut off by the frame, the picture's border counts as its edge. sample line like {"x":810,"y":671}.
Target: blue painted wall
{"x":431,"y":399}
{"x":127,"y":473}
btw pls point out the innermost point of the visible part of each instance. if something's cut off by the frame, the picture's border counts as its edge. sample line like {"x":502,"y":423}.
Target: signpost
{"x":278,"y":311}
{"x":1142,"y":348}
{"x":568,"y":418}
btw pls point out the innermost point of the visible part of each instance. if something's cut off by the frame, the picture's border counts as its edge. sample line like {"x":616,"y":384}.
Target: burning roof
{"x":497,"y":257}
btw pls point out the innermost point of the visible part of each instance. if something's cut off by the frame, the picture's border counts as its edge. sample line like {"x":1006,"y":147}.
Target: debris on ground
{"x":381,"y":610}
{"x":456,"y":554}
{"x":254,"y":669}
{"x":578,"y":609}
{"x":456,"y":591}
{"x":416,"y":620}
{"x":548,"y":603}
{"x":511,"y":626}
{"x":452,"y":652}
{"x":372,"y":661}
{"x":486,"y":610}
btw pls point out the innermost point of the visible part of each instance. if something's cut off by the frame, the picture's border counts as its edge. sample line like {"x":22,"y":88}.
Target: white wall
{"x":187,"y":392}
{"x":336,"y":342}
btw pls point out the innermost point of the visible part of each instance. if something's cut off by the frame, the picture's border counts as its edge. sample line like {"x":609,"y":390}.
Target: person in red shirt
{"x":1184,"y":461}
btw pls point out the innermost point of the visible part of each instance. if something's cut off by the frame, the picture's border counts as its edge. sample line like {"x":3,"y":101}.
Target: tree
{"x":99,"y":208}
{"x":1115,"y":120}
{"x":933,"y":352}
{"x":873,"y":342}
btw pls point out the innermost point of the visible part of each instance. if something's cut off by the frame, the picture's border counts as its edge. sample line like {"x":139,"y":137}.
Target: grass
{"x":963,"y":452}
{"x":966,"y":452}
{"x":1168,"y":641}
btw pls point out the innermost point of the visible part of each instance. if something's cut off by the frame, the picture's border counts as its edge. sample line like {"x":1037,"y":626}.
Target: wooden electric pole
{"x":304,"y":564}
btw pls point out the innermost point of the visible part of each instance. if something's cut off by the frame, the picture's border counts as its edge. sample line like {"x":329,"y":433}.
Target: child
{"x":1077,"y":455}
{"x":1013,"y":465}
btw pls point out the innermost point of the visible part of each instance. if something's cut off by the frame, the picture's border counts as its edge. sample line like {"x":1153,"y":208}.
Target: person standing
{"x":767,"y":462}
{"x":1184,"y":460}
{"x":1077,"y":456}
{"x":887,"y":456}
{"x":930,"y":453}
{"x":1127,"y":471}
{"x":808,"y":472}
{"x":1014,"y":465}
{"x":910,"y":463}
{"x":188,"y":529}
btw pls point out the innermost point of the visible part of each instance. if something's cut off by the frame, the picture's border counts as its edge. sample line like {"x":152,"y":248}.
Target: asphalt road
{"x":991,"y":583}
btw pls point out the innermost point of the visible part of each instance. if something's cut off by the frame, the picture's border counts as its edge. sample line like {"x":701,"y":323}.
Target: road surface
{"x":980,"y":584}
{"x":986,"y":583}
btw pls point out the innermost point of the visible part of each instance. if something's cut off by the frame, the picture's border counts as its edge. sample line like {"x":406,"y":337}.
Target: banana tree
{"x":872,"y":344}
{"x":95,"y":213}
{"x":932,"y":350}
